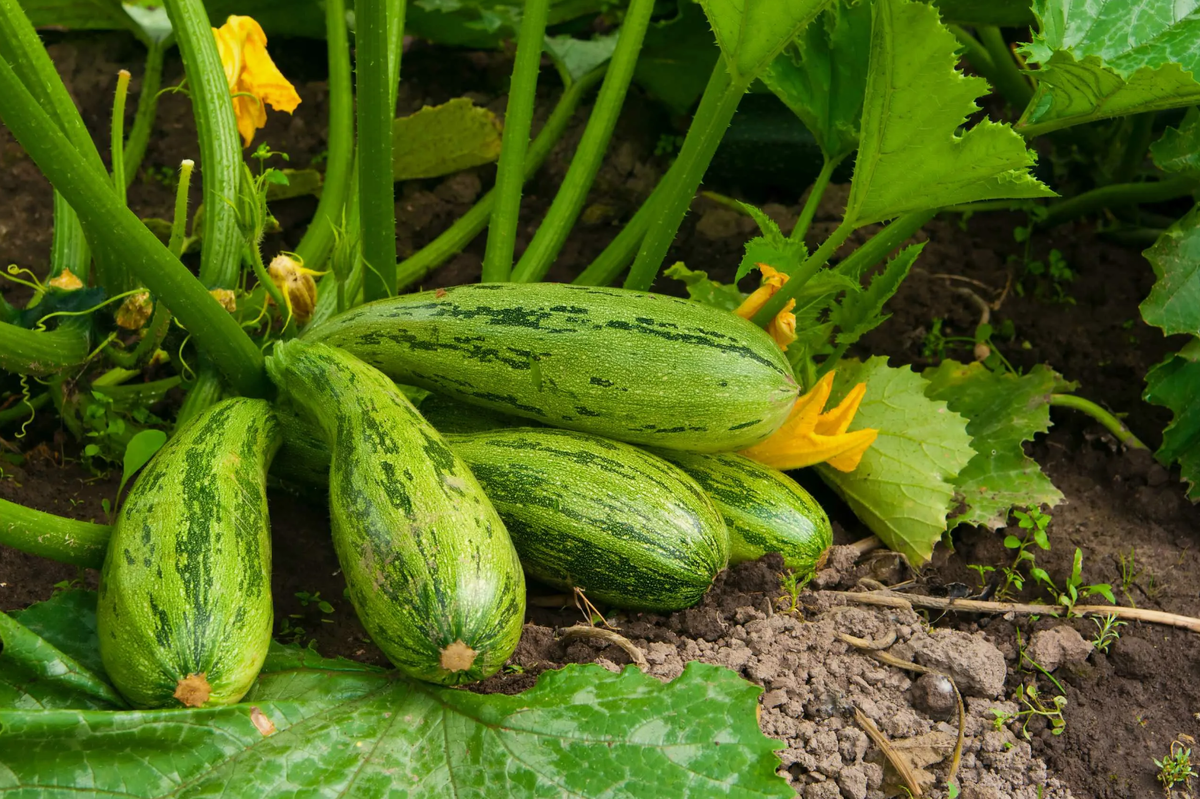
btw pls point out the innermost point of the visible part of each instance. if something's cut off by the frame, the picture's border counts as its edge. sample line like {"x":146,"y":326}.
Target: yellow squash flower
{"x":296,"y":284}
{"x":783,"y":326}
{"x":253,"y":78}
{"x":809,"y":436}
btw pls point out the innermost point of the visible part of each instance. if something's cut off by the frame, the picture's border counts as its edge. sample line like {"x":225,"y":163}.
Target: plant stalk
{"x":41,"y":352}
{"x":118,"y":229}
{"x":118,"y":134}
{"x":1006,"y":75}
{"x":471,"y":224}
{"x":220,"y":143}
{"x":877,"y":247}
{"x":1136,"y":146}
{"x":518,"y":119}
{"x":49,"y":536}
{"x":814,"y":199}
{"x":564,"y":211}
{"x":717,"y":107}
{"x":810,"y":266}
{"x":1108,"y":421}
{"x":621,"y":250}
{"x":1119,"y":194}
{"x":376,"y":191}
{"x":147,"y":107}
{"x":317,"y":243}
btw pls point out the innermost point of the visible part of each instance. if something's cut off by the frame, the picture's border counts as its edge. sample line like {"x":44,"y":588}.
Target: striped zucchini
{"x":626,"y":527}
{"x":184,"y":613}
{"x":430,"y":568}
{"x":633,"y":366}
{"x":764,"y":510}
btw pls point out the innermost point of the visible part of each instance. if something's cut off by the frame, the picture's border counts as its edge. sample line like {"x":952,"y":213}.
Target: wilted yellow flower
{"x":135,"y":311}
{"x":66,"y":280}
{"x":227,"y":298}
{"x":253,"y":78}
{"x":297,"y":284}
{"x":809,"y":436}
{"x":783,"y":326}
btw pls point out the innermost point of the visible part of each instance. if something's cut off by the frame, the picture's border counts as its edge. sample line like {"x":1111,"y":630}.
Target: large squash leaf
{"x":751,"y":33}
{"x":1002,"y":411}
{"x":904,"y":486}
{"x":1175,"y":384}
{"x":1178,"y":149}
{"x":911,"y":156}
{"x":330,"y":728}
{"x":1111,"y":58}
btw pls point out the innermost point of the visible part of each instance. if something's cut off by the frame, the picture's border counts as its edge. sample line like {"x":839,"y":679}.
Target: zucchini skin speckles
{"x":430,"y":567}
{"x":184,"y":611}
{"x":632,"y":366}
{"x":625,"y":526}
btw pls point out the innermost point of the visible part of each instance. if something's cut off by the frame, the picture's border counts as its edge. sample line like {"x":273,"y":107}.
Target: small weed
{"x":307,"y":599}
{"x":1176,"y":769}
{"x":290,"y":632}
{"x":668,"y":145}
{"x":1035,"y":705}
{"x":1074,"y":590}
{"x":933,"y":346}
{"x":1107,"y":632}
{"x":68,"y":585}
{"x":1129,"y":573}
{"x":791,"y":584}
{"x":1034,"y":523}
{"x":983,"y":572}
{"x":514,"y":668}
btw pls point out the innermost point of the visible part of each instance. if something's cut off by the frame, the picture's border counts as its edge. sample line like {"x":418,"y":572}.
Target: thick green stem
{"x":23,"y":410}
{"x":376,"y":191}
{"x":1110,"y":423}
{"x":621,"y":250}
{"x":220,"y":143}
{"x":118,"y":229}
{"x":69,"y":248}
{"x":549,"y":239}
{"x":206,"y":391}
{"x":717,"y":107}
{"x":147,"y":107}
{"x":814,"y":199}
{"x":41,"y":352}
{"x":1006,"y":75}
{"x":53,"y":537}
{"x":518,"y":119}
{"x":470,"y":224}
{"x":179,"y":220}
{"x":118,"y":134}
{"x":1137,"y":143}
{"x":317,"y":243}
{"x":878,"y":246}
{"x":396,"y":10}
{"x":1119,"y":194}
{"x":810,"y":266}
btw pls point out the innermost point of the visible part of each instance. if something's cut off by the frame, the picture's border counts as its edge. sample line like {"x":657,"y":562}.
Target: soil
{"x":1124,"y":707}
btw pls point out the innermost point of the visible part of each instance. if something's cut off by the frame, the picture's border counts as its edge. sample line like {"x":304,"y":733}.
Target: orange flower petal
{"x":783,"y":326}
{"x":857,"y":444}
{"x":253,"y":78}
{"x":837,"y":421}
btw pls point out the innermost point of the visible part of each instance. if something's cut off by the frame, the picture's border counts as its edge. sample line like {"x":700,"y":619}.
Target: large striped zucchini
{"x":430,"y":567}
{"x":625,"y":526}
{"x":633,"y":366}
{"x":764,"y":510}
{"x":184,"y":613}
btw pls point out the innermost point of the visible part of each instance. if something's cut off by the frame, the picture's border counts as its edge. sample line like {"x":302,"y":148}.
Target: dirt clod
{"x":933,"y":694}
{"x":1058,"y":646}
{"x":975,"y":664}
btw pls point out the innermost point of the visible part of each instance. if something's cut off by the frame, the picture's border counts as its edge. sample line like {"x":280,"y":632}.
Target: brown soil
{"x":1124,"y":708}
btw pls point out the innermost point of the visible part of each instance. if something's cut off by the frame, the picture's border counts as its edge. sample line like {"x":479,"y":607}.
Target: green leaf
{"x":1174,"y":302}
{"x":904,"y":487}
{"x":575,"y":58}
{"x":77,"y":14}
{"x":35,"y":674}
{"x":771,"y":248}
{"x":67,"y":621}
{"x":1175,"y":384}
{"x":861,"y":312}
{"x":751,"y":33}
{"x":822,"y":76}
{"x":443,"y":139}
{"x":1109,"y":59}
{"x":1178,"y":149}
{"x":328,"y":728}
{"x":705,"y":290}
{"x":911,"y":156}
{"x":138,"y":452}
{"x":1002,"y":412}
{"x":677,"y":57}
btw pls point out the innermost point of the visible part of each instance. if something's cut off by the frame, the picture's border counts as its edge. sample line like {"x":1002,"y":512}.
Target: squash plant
{"x":858,"y":74}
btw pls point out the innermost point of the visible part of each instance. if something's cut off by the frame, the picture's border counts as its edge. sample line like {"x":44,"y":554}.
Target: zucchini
{"x":625,"y":526}
{"x":764,"y":510}
{"x":431,"y":570}
{"x":184,"y":613}
{"x":633,"y":366}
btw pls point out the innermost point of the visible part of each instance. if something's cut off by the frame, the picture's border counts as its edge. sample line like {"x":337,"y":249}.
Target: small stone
{"x":853,"y":782}
{"x":1058,"y":646}
{"x":773,"y":699}
{"x":977,"y":667}
{"x":933,"y":695}
{"x":822,"y":790}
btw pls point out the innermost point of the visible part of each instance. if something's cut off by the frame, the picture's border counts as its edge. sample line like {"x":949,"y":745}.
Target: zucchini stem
{"x":518,"y":119}
{"x":800,"y":230}
{"x":118,"y":134}
{"x":1117,"y":195}
{"x":49,"y":536}
{"x":1006,"y":75}
{"x":1107,"y":420}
